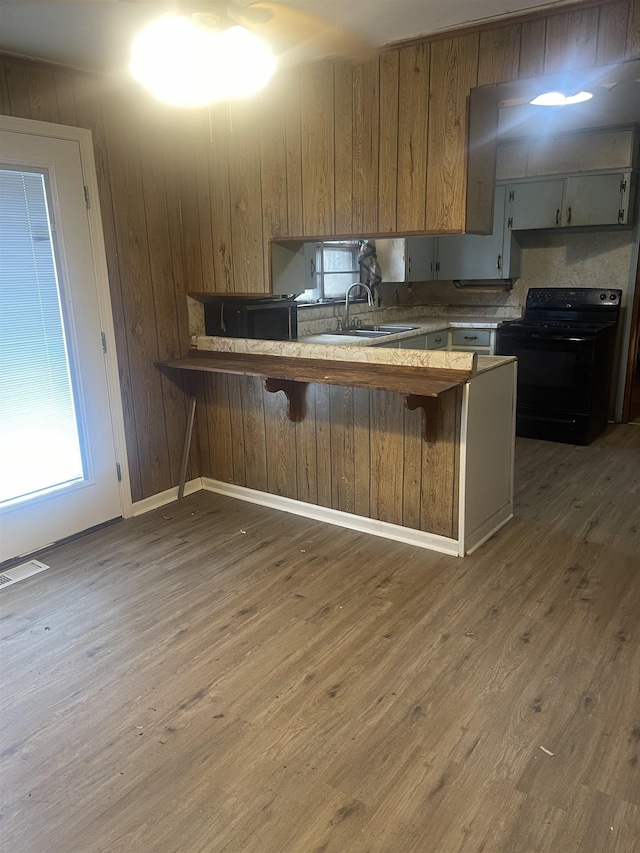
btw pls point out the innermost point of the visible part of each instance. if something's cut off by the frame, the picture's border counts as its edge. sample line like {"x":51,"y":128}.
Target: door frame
{"x":85,"y":141}
{"x":633,"y":345}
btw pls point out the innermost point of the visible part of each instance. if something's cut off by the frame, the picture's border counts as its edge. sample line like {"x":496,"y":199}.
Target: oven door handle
{"x":572,"y":338}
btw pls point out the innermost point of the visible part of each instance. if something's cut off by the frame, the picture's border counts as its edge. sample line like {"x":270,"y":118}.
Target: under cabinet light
{"x":558,"y":99}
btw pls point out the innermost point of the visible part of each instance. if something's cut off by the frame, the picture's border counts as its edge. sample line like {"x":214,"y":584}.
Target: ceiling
{"x":97,"y":35}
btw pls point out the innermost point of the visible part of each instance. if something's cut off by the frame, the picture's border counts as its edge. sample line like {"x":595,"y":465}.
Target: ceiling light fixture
{"x":185,"y":64}
{"x":558,"y":99}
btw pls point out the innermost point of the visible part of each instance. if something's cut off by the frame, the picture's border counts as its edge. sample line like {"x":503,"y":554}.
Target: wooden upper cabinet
{"x":388,"y":150}
{"x":366,"y":135}
{"x":454,"y":72}
{"x":318,"y":161}
{"x":413,"y":118}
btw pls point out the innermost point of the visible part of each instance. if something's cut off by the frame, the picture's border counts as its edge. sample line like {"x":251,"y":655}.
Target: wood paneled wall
{"x":144,"y":174}
{"x":190,"y":200}
{"x":358,"y":451}
{"x":380,"y":147}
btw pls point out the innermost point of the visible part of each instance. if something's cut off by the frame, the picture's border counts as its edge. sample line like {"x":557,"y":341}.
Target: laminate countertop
{"x":355,"y":350}
{"x":420,"y":326}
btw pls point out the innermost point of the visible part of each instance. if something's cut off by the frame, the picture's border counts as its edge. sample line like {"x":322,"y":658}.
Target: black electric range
{"x":565,"y":344}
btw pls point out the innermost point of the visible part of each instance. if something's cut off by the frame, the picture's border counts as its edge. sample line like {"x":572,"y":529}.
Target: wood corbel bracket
{"x":295,"y":393}
{"x":430,"y":414}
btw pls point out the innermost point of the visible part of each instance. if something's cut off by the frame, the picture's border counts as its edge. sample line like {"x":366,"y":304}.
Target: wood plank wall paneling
{"x":318,"y":160}
{"x":159,"y":197}
{"x":454,"y":71}
{"x":366,"y":135}
{"x":42,"y":93}
{"x":612,"y":32}
{"x":140,"y":172}
{"x":532,"y":44}
{"x":217,"y":221}
{"x":245,"y":195}
{"x":343,"y":146}
{"x":499,"y":57}
{"x":388,"y":151}
{"x":273,"y":168}
{"x":413,"y":126}
{"x":200,"y":212}
{"x":293,"y":130}
{"x":280,"y":445}
{"x":127,"y":190}
{"x":572,"y":39}
{"x":5,"y":103}
{"x":358,"y":451}
{"x":632,"y":50}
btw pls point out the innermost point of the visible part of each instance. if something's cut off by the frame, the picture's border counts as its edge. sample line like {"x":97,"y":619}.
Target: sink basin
{"x":380,"y":331}
{"x":388,"y":328}
{"x":362,"y":332}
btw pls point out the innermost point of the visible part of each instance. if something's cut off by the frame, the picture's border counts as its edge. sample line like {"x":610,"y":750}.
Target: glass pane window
{"x":40,"y":447}
{"x":336,"y":268}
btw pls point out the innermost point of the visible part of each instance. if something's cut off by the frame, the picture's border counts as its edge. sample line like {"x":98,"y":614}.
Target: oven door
{"x":554,"y":371}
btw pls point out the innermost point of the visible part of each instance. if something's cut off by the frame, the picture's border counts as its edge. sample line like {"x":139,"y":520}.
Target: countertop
{"x":421,"y":326}
{"x":357,"y":351}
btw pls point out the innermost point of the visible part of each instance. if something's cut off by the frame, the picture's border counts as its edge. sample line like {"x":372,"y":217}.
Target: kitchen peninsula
{"x":411,"y":445}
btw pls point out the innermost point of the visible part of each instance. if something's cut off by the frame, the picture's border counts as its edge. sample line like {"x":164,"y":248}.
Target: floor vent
{"x":19,"y":573}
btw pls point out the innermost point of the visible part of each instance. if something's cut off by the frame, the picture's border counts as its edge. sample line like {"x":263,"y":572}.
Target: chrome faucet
{"x":346,"y":303}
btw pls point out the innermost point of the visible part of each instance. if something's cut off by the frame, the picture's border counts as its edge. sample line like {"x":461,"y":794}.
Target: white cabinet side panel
{"x":490,"y":443}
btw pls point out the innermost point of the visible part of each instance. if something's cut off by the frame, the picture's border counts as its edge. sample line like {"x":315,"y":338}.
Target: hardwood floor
{"x":217,"y":676}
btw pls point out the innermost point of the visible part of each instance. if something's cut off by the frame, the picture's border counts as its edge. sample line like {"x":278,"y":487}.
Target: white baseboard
{"x":419,"y":538}
{"x":166,"y":497}
{"x":486,"y":530}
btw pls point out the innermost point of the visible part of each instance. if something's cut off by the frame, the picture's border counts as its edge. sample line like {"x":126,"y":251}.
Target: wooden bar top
{"x":403,"y":379}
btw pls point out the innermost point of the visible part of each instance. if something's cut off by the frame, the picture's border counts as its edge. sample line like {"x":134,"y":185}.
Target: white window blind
{"x":39,"y":439}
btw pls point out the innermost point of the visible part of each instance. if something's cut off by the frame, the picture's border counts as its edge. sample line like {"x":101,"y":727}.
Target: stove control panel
{"x":573,"y":298}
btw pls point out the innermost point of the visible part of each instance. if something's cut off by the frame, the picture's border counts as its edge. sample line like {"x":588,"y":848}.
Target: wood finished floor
{"x":216,"y":676}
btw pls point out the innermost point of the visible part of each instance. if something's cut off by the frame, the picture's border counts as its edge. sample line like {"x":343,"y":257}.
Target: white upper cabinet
{"x":465,"y":257}
{"x":293,"y":267}
{"x":597,"y":199}
{"x":406,"y":258}
{"x":535,"y":204}
{"x":571,"y":202}
{"x":472,"y":256}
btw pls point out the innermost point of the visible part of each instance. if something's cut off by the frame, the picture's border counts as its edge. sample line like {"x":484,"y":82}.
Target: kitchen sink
{"x":379,"y":331}
{"x":362,"y":332}
{"x":390,"y":328}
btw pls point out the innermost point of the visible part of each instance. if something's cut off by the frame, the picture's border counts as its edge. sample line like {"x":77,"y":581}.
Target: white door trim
{"x":84,"y":139}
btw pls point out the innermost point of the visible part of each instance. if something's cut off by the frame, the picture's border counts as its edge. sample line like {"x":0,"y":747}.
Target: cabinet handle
{"x":558,"y":216}
{"x":313,"y":267}
{"x":568,"y":214}
{"x":499,"y":264}
{"x":438,"y":341}
{"x":409,"y":266}
{"x":470,"y":337}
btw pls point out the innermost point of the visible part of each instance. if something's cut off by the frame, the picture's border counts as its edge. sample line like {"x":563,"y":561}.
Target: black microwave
{"x":269,"y":318}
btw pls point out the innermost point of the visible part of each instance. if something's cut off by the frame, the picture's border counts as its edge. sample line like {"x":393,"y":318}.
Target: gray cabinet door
{"x":535,"y":204}
{"x":293,"y":267}
{"x":595,"y":200}
{"x":420,"y":254}
{"x":473,"y":256}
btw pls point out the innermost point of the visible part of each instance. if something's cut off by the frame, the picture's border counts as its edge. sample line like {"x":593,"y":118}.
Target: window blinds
{"x":39,"y":439}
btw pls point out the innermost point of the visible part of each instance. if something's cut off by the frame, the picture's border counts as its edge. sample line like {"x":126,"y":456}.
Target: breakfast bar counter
{"x":407,"y":444}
